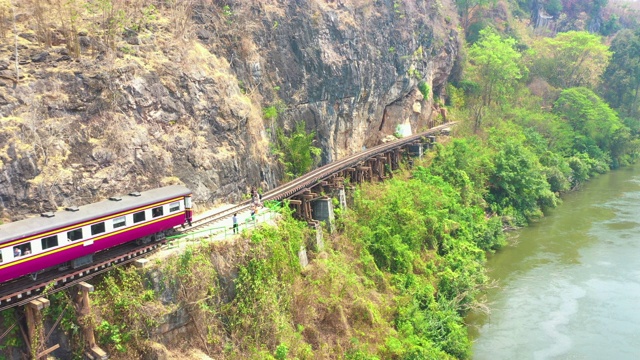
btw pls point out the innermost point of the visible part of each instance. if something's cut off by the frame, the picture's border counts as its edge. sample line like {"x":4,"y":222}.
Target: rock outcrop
{"x":182,"y":101}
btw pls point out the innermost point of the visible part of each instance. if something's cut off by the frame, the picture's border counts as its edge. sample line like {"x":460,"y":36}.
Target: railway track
{"x":305,"y":181}
{"x":21,"y":291}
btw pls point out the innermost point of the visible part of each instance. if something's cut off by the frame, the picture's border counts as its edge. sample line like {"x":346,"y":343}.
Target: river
{"x":569,"y":287}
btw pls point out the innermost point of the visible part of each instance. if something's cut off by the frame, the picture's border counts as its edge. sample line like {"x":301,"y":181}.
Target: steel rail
{"x":23,"y":290}
{"x":315,"y":176}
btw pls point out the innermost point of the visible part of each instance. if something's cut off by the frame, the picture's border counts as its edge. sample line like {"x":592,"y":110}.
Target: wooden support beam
{"x":97,"y":353}
{"x":295,"y":202}
{"x":35,"y":325}
{"x":83,"y":310}
{"x":48,"y":351}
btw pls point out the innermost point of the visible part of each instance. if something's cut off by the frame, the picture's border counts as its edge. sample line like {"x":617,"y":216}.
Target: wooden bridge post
{"x":387,"y":164}
{"x":83,"y":310}
{"x":381,"y":161}
{"x":296,"y":207}
{"x":374,"y":163}
{"x":395,"y":159}
{"x":307,"y":212}
{"x":35,"y":327}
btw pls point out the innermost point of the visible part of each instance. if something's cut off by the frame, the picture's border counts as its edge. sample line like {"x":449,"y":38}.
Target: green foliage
{"x":281,"y":352}
{"x":455,"y":96}
{"x":62,"y":307}
{"x":518,"y":183}
{"x":574,"y":58}
{"x":495,"y":70}
{"x":622,"y":84}
{"x":270,"y":112}
{"x":414,"y":73}
{"x":600,"y":133}
{"x":466,"y":7}
{"x":495,"y":65}
{"x":424,"y":89}
{"x":226,"y":11}
{"x":465,"y":164}
{"x":439,"y":211}
{"x":296,"y":152}
{"x":114,"y":335}
{"x":553,"y":7}
{"x":121,"y":300}
{"x":263,"y":285}
{"x":13,"y":338}
{"x":112,"y":20}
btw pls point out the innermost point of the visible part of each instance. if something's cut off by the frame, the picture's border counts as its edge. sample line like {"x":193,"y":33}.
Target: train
{"x":71,"y":237}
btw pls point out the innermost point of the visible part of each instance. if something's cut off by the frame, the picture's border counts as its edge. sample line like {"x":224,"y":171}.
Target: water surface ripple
{"x":569,"y":288}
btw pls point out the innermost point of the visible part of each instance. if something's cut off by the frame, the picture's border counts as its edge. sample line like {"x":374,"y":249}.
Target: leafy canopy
{"x":574,"y":58}
{"x":296,"y":152}
{"x":622,"y":76}
{"x":495,"y":65}
{"x":600,"y":131}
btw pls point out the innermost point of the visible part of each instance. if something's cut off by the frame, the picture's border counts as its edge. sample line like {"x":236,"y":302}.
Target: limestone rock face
{"x":350,"y":69}
{"x":162,"y":105}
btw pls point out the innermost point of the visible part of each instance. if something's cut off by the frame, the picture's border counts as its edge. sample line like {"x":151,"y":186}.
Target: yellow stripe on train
{"x":41,"y":235}
{"x":81,"y":243}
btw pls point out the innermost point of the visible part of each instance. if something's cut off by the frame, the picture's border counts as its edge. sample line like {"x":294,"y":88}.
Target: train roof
{"x":36,"y":225}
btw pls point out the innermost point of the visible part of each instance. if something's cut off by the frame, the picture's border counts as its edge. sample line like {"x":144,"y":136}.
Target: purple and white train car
{"x":71,"y":237}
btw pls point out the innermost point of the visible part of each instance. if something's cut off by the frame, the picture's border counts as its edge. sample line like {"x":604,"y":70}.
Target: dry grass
{"x":334,"y":305}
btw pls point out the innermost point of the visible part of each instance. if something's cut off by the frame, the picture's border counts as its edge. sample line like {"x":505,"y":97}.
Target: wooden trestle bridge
{"x":376,"y":163}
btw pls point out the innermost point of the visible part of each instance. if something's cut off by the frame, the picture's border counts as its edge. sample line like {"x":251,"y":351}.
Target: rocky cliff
{"x":140,"y":93}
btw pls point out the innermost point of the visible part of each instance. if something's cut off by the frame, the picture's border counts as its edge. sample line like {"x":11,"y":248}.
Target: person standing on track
{"x":235,"y":223}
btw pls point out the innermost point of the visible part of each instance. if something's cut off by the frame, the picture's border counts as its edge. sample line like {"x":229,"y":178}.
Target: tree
{"x":494,"y":64}
{"x":466,"y":8}
{"x":622,"y":76}
{"x":599,"y":128}
{"x":518,"y":184}
{"x":296,"y":152}
{"x":571,"y":59}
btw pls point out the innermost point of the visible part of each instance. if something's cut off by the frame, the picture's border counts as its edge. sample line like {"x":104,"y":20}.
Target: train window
{"x":155,"y":212}
{"x":97,"y":228}
{"x":74,"y":235}
{"x":138,"y":217}
{"x":49,"y":242}
{"x":21,"y":250}
{"x":174,"y":206}
{"x":119,"y":222}
{"x":0,"y":257}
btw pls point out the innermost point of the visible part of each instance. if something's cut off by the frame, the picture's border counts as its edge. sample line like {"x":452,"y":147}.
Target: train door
{"x":188,"y":208}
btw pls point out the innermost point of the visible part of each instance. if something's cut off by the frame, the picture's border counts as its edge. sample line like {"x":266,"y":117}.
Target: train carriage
{"x":72,"y":237}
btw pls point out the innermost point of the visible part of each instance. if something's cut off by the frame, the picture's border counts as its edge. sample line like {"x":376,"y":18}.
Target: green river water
{"x":569,"y":287}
